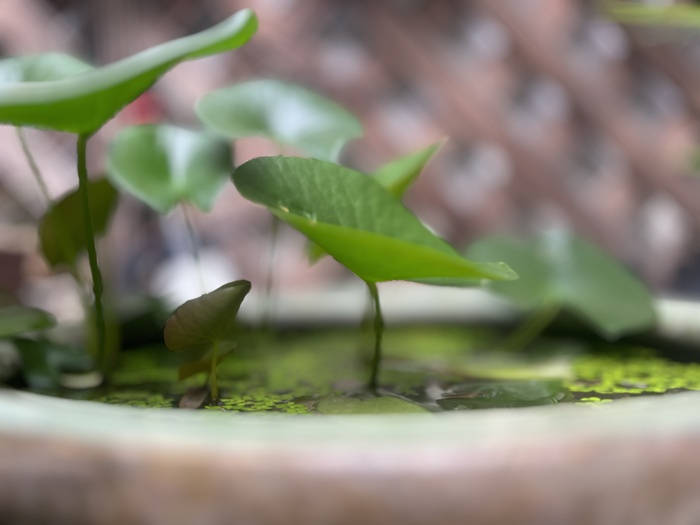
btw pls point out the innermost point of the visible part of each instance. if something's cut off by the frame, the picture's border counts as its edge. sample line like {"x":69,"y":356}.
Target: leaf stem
{"x":33,"y":165}
{"x":213,"y":373}
{"x":270,"y":277}
{"x":378,"y":333}
{"x":194,"y":243}
{"x":532,"y":327}
{"x":97,"y":286}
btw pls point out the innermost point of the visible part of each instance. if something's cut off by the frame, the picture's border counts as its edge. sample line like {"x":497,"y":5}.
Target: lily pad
{"x":166,"y":165}
{"x":284,"y":113}
{"x":83,"y":103}
{"x":17,"y":320}
{"x":396,"y":176}
{"x":61,"y":229}
{"x":200,"y":323}
{"x":357,"y":221}
{"x":558,"y":268}
{"x":503,"y":394}
{"x":377,"y":405}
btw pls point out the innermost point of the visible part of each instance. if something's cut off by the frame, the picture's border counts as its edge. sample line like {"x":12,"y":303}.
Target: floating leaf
{"x":40,"y":68}
{"x":356,"y":221}
{"x":284,"y":113}
{"x":85,"y":102}
{"x":166,"y":165}
{"x":61,"y":230}
{"x":562,"y":269}
{"x":17,"y":320}
{"x":399,"y":174}
{"x":377,"y":405}
{"x":503,"y":394}
{"x":200,"y":323}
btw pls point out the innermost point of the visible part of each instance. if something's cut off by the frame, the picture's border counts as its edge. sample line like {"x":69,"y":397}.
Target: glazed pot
{"x":634,"y":461}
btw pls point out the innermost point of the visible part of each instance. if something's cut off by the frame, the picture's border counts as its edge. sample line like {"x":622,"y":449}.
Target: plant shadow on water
{"x":427,"y":369}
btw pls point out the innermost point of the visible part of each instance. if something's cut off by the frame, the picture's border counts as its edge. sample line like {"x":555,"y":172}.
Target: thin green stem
{"x":194,"y":243}
{"x":33,"y":165}
{"x":532,"y":327}
{"x":213,"y":373}
{"x":378,"y":333}
{"x":97,"y":286}
{"x":270,"y":275}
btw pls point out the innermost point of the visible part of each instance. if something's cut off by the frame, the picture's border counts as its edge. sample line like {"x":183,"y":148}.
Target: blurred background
{"x":556,"y":116}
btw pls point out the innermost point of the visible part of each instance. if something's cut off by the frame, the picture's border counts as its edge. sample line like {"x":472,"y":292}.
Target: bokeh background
{"x":557,"y":116}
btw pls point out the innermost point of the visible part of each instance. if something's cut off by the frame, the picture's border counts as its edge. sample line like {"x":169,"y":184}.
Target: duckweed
{"x":300,"y":372}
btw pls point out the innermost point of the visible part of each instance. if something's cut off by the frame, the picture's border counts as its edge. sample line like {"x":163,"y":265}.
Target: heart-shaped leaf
{"x":166,"y":165}
{"x":83,"y":103}
{"x":40,"y":68}
{"x":356,"y":221}
{"x":399,"y":174}
{"x":17,"y":320}
{"x":61,"y":230}
{"x":558,"y":268}
{"x":200,"y":323}
{"x":44,"y":362}
{"x":284,"y":113}
{"x":396,"y":176}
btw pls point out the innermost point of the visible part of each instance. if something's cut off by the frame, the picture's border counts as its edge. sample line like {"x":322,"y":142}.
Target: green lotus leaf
{"x":17,"y":320}
{"x":85,"y":102}
{"x":399,"y":174}
{"x":40,"y":68}
{"x":200,"y":323}
{"x":559,"y":268}
{"x":284,"y":113}
{"x":61,"y":229}
{"x":356,"y":221}
{"x":166,"y":165}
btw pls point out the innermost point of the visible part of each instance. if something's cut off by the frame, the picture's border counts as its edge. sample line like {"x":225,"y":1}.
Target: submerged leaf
{"x":200,"y":323}
{"x":62,"y":231}
{"x":166,"y":165}
{"x":562,"y":269}
{"x":356,"y":221}
{"x":377,"y":405}
{"x":83,"y":103}
{"x":17,"y":320}
{"x":284,"y":113}
{"x":504,"y":394}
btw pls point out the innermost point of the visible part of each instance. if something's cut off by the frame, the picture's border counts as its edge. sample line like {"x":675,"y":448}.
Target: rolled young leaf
{"x":200,"y":323}
{"x":356,"y":221}
{"x":83,"y":103}
{"x":166,"y":165}
{"x":286,"y":114}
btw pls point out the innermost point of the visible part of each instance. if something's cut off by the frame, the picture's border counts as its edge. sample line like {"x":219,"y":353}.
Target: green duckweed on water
{"x":424,"y":370}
